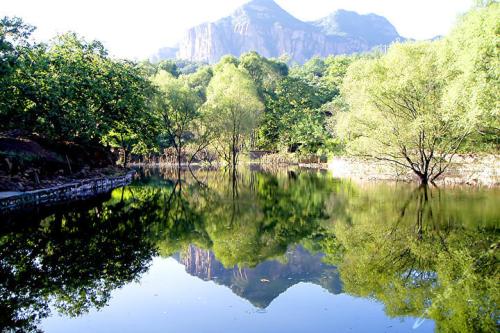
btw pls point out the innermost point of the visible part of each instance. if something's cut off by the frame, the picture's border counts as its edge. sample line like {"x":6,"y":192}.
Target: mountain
{"x":262,"y":284}
{"x":164,"y":53}
{"x":373,"y":29}
{"x":265,"y":27}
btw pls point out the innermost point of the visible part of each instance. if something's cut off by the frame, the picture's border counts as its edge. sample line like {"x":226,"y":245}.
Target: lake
{"x":285,"y":250}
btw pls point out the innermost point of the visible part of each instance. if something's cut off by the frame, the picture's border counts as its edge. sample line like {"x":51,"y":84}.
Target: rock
{"x":263,"y":26}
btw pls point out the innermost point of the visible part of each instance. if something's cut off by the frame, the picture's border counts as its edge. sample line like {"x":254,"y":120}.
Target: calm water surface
{"x":265,"y":251}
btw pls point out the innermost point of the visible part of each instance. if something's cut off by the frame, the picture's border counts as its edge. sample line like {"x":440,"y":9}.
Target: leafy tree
{"x":132,"y":124}
{"x":472,"y":59}
{"x":292,"y":119}
{"x":177,"y":107}
{"x":169,"y":66}
{"x":336,"y":69}
{"x":14,"y":36}
{"x":70,"y":90}
{"x":397,"y":112}
{"x":265,"y":72}
{"x":15,"y":45}
{"x":226,"y":60}
{"x":199,"y":80}
{"x":325,"y":75}
{"x":233,"y":109}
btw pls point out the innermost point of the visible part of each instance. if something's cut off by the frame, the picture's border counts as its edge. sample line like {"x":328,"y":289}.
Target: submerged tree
{"x":397,"y":112}
{"x":233,"y":110}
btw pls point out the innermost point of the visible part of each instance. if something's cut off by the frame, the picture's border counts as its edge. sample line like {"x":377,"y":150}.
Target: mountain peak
{"x":262,"y":3}
{"x":266,"y":11}
{"x":374,"y":29}
{"x":263,"y":26}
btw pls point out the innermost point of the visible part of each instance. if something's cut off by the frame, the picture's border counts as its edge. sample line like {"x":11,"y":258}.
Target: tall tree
{"x":177,"y":106}
{"x":233,"y":109}
{"x":397,"y":112}
{"x":472,"y":58}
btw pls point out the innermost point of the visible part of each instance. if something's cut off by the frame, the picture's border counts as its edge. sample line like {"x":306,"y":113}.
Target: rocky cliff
{"x":263,"y":26}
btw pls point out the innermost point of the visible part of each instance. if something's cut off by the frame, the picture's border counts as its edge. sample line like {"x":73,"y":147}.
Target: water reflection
{"x":421,"y":252}
{"x":70,"y":259}
{"x":266,"y":281}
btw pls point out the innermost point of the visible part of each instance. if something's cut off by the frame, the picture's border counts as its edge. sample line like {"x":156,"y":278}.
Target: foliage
{"x":265,"y":72}
{"x":70,"y":90}
{"x":233,"y":109}
{"x":397,"y":113}
{"x":472,"y":57}
{"x":293,"y":118}
{"x":421,"y":103}
{"x":416,"y":104}
{"x":177,"y":107}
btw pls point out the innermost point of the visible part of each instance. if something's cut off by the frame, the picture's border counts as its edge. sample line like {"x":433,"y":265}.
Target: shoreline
{"x":72,"y":191}
{"x":465,"y":170}
{"x":472,"y":171}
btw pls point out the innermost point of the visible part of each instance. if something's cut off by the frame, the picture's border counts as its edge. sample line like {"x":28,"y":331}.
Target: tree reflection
{"x":244,"y":218}
{"x":72,"y":260}
{"x":423,"y":256}
{"x":430,"y":253}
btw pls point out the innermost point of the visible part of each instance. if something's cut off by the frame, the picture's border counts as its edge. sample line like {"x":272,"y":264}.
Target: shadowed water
{"x":267,"y":251}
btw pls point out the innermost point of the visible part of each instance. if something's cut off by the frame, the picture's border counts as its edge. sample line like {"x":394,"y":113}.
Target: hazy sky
{"x":137,"y":28}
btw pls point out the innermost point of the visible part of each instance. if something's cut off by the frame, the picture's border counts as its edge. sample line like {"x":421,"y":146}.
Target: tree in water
{"x":397,"y":113}
{"x":233,"y":110}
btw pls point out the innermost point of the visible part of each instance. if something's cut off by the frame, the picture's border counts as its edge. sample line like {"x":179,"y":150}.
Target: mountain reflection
{"x":266,"y":281}
{"x":421,"y":252}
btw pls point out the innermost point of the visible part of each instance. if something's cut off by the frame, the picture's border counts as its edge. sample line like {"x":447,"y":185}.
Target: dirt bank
{"x":29,"y":162}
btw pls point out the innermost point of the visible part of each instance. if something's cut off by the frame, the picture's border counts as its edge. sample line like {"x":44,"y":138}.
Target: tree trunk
{"x":125,"y":157}
{"x":179,"y":156}
{"x":179,"y":159}
{"x":424,"y":179}
{"x":233,"y":148}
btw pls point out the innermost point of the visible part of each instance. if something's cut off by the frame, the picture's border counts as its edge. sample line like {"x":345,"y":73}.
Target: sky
{"x":136,"y":29}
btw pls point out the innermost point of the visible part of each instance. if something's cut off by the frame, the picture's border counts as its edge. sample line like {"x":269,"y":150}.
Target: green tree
{"x":472,"y":59}
{"x":177,"y":106}
{"x":70,"y":90}
{"x":293,"y":119}
{"x":265,"y":72}
{"x":199,"y":81}
{"x":233,"y":110}
{"x":397,"y":112}
{"x":131,"y":120}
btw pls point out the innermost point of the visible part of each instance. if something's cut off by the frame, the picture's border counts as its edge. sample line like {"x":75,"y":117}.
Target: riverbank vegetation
{"x":415,"y":105}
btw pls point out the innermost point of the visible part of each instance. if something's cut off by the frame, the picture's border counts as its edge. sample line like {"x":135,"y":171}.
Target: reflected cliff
{"x":263,"y":283}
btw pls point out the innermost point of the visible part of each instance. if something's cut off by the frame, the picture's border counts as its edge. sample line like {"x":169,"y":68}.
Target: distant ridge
{"x":265,"y":27}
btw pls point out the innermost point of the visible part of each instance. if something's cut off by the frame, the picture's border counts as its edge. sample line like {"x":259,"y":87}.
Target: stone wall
{"x":67,"y":192}
{"x":465,"y":169}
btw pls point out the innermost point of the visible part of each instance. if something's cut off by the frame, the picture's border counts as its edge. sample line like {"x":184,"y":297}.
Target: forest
{"x":414,"y":104}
